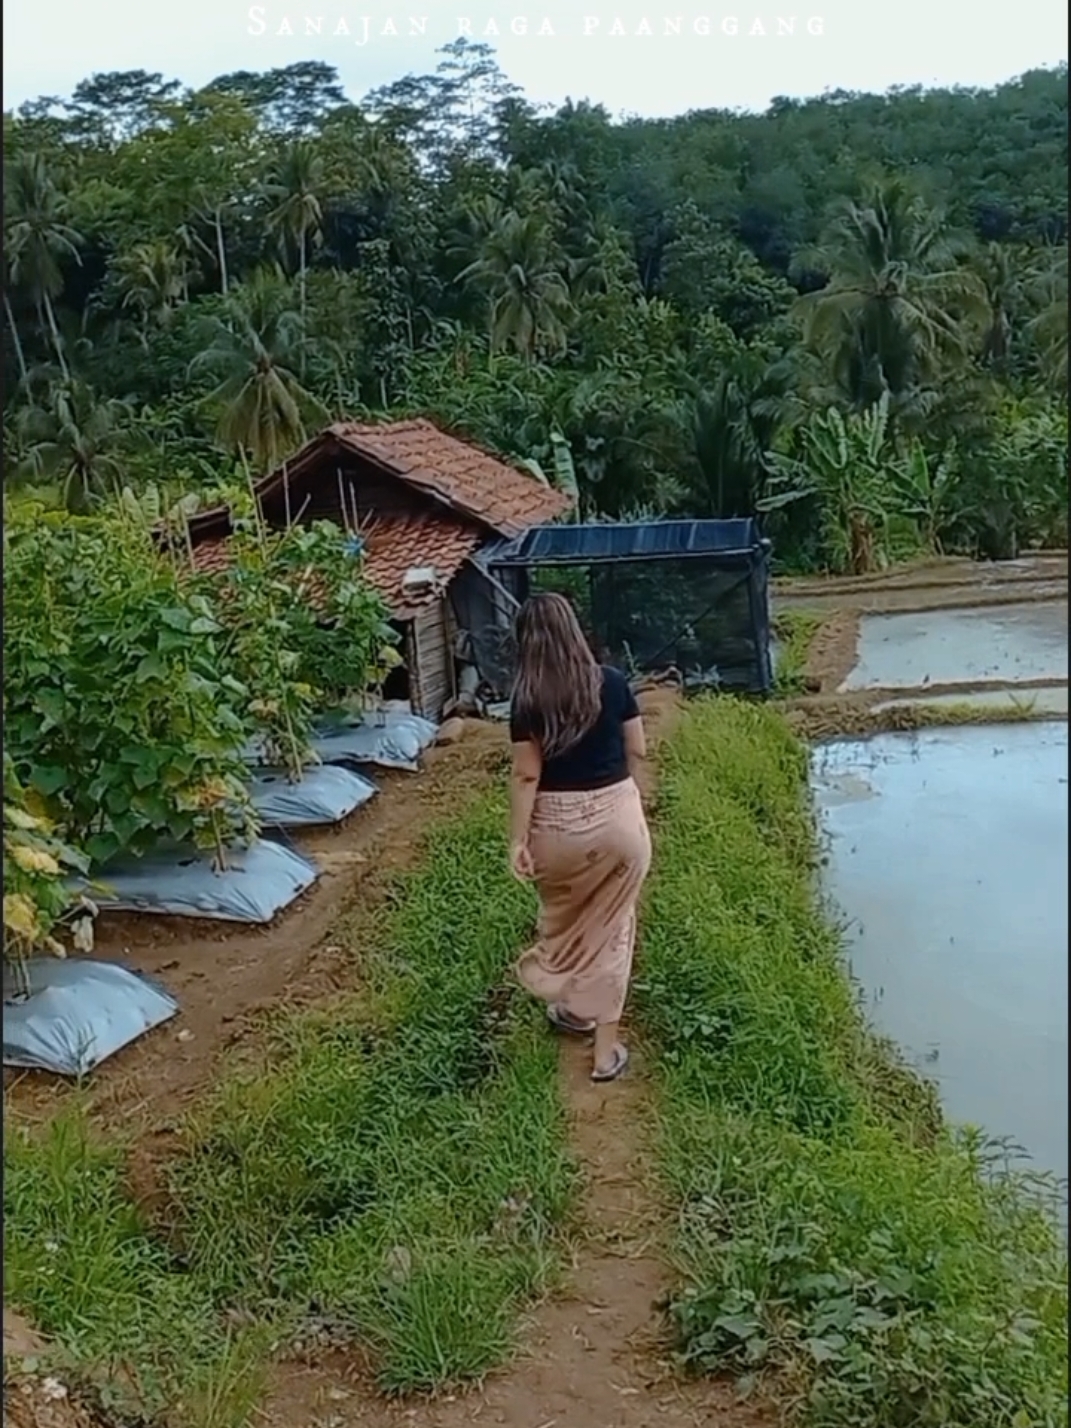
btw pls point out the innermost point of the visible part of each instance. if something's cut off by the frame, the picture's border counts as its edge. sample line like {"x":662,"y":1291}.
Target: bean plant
{"x":119,"y":713}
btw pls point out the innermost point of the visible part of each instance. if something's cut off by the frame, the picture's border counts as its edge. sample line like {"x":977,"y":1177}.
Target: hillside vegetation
{"x":847,"y":313}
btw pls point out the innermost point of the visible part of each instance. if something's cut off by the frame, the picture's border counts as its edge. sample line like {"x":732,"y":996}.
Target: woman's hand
{"x":520,"y":861}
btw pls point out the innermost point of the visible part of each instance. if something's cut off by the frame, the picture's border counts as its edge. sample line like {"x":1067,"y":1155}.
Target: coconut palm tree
{"x":153,"y":277}
{"x":1049,"y":328}
{"x":20,"y":355}
{"x":295,"y":187}
{"x":254,"y":350}
{"x":37,"y":238}
{"x":900,"y":303}
{"x":76,"y":440}
{"x":1000,"y":269}
{"x":732,"y":427}
{"x":519,"y":274}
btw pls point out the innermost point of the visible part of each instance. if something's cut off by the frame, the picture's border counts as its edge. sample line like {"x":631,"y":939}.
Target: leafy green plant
{"x":36,"y":865}
{"x":564,"y":470}
{"x":300,"y":629}
{"x":116,"y":711}
{"x":845,"y":464}
{"x":925,"y":489}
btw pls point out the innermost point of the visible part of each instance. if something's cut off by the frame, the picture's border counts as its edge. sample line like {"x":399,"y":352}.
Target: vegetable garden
{"x":133,"y":686}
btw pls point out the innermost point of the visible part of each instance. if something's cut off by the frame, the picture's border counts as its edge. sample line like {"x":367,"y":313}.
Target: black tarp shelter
{"x":656,"y":594}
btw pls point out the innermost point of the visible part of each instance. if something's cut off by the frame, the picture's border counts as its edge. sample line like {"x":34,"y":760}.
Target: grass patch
{"x":794,"y":631}
{"x":127,"y":1320}
{"x":830,"y":1230}
{"x":398,"y":1179}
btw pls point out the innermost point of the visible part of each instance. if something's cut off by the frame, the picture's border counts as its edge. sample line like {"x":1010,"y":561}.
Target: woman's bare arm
{"x":524,"y":784}
{"x":635,"y":747}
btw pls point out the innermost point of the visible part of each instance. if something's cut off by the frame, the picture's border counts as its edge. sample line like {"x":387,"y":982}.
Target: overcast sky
{"x":624,"y":55}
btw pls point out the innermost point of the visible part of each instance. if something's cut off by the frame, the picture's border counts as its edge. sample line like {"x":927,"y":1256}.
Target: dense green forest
{"x":847,"y":313}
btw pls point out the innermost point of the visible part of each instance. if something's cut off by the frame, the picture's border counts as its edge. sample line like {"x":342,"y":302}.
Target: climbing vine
{"x":119,"y":714}
{"x":300,"y":629}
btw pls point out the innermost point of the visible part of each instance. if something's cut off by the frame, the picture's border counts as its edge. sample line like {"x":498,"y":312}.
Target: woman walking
{"x":577,"y":826}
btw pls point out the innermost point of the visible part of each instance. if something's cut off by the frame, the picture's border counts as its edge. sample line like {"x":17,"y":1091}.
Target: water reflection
{"x":946,"y":849}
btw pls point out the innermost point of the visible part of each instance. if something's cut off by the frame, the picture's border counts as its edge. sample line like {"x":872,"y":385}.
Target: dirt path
{"x":593,"y":1356}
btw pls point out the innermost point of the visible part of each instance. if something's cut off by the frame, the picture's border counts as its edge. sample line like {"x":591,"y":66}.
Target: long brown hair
{"x":557,"y":693}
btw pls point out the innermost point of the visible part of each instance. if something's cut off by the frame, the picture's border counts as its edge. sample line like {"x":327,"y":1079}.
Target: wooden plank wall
{"x":431,"y":661}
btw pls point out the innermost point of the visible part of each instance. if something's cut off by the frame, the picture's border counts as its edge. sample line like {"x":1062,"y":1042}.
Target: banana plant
{"x":846,"y":465}
{"x":149,"y":508}
{"x":564,"y":471}
{"x":925,"y":488}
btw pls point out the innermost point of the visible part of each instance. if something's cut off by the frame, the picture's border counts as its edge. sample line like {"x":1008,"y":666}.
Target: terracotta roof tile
{"x":395,"y":547}
{"x":451,"y":471}
{"x":392,"y":549}
{"x":211,"y":556}
{"x":475,"y":483}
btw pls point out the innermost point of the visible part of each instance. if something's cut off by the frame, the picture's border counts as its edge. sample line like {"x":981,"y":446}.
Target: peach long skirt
{"x":592,"y":852}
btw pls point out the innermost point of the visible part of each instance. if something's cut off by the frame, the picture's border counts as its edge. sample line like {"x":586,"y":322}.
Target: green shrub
{"x":116,"y":711}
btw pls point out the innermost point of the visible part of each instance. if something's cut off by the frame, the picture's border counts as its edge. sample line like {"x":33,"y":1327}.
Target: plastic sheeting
{"x":393,"y":741}
{"x":181,"y":882}
{"x":389,"y":740}
{"x":79,"y":1013}
{"x":324,"y":795}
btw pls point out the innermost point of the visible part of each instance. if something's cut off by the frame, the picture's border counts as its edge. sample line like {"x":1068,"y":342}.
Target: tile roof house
{"x":424,"y":502}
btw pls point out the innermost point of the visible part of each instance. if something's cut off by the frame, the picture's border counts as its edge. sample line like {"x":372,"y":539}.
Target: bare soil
{"x":33,"y":1398}
{"x":931,"y":584}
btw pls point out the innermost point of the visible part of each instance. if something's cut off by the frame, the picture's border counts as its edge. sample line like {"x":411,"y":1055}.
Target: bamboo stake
{"x":342,"y":502}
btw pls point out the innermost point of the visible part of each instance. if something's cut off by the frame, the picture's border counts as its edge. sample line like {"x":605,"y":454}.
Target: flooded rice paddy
{"x":947,"y":861}
{"x":1003,"y":642}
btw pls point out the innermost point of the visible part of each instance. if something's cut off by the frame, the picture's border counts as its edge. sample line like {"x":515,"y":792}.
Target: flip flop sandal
{"x":614,"y":1070}
{"x":560,"y":1020}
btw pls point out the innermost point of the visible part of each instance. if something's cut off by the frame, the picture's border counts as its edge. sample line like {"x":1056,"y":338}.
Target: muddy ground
{"x":34,"y":1399}
{"x":595,"y":1356}
{"x":930,"y":585}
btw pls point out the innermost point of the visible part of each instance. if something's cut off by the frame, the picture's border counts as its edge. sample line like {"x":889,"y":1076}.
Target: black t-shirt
{"x":598,"y":759}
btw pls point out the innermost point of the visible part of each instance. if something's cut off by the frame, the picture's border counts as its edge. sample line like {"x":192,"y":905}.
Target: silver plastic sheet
{"x":325,"y":794}
{"x":257,"y":883}
{"x":388,"y":739}
{"x":393,"y":741}
{"x":78,"y":1013}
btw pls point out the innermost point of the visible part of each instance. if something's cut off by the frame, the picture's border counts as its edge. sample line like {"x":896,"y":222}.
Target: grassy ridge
{"x":828,"y":1228}
{"x":398,"y":1179}
{"x":795,"y":631}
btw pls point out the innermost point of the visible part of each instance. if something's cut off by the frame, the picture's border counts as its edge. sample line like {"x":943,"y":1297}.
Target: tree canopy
{"x":198,"y":277}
